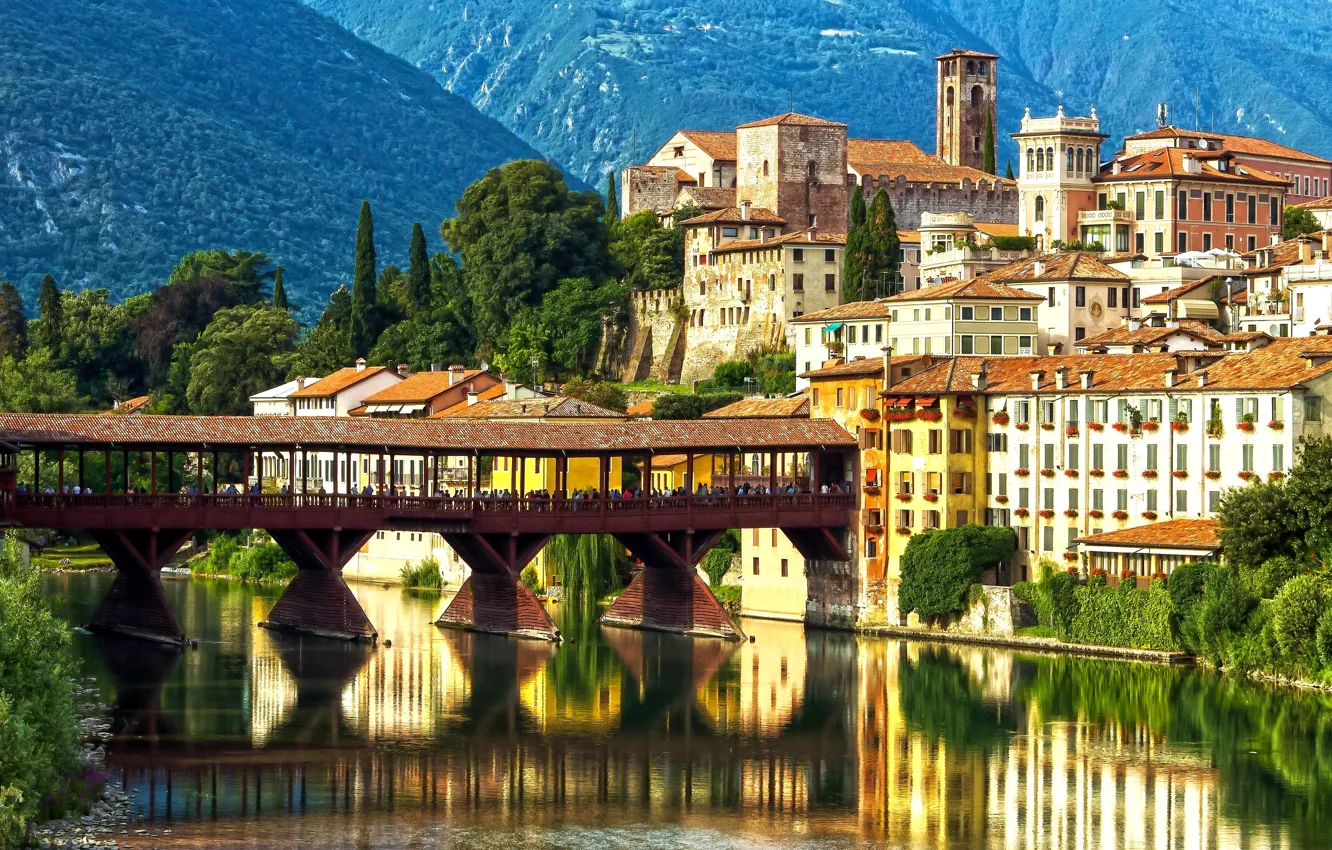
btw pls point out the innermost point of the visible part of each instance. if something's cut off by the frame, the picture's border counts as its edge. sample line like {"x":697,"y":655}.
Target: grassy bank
{"x":84,"y":556}
{"x":245,"y":557}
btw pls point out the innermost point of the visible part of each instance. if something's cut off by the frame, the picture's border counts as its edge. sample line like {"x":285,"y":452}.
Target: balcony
{"x":1105,"y":217}
{"x":1318,"y":270}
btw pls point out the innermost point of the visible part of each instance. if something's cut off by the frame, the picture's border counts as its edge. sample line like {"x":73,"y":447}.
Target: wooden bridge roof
{"x":424,"y":435}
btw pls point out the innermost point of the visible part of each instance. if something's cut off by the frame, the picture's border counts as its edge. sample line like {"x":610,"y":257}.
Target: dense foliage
{"x":424,"y":576}
{"x":588,"y":565}
{"x":939,"y":567}
{"x":674,"y":406}
{"x":721,"y":557}
{"x":248,"y":557}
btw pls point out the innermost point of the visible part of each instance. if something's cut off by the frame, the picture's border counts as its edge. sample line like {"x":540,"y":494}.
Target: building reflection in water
{"x":807,"y":733}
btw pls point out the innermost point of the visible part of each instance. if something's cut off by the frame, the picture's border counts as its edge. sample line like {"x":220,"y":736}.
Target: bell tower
{"x":967,"y":89}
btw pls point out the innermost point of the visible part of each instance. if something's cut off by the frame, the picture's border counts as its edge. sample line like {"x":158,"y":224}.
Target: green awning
{"x":837,"y":326}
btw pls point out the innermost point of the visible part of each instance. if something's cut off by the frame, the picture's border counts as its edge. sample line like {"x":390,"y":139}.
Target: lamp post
{"x":536,"y":366}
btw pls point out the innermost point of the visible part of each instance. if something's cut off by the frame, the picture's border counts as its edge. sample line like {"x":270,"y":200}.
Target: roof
{"x":681,"y":176}
{"x":977,"y":288}
{"x":718,"y":144}
{"x":801,"y":238}
{"x":1281,"y":364}
{"x":1282,"y":254}
{"x":1071,"y":265}
{"x":763,"y":408}
{"x":872,"y":366}
{"x":1236,"y":144}
{"x":1317,"y":204}
{"x":339,"y":381}
{"x":731,"y":215}
{"x":423,"y":386}
{"x":899,"y":151}
{"x":1184,"y":289}
{"x":1147,"y":335}
{"x":907,"y":237}
{"x":128,"y":406}
{"x":996,"y":228}
{"x":711,"y":197}
{"x":850,"y":310}
{"x":964,"y":53}
{"x":282,"y":391}
{"x":641,"y":409}
{"x":551,"y":407}
{"x":1168,"y":534}
{"x":1169,"y":162}
{"x":791,"y":119}
{"x":661,"y":463}
{"x":453,"y":435}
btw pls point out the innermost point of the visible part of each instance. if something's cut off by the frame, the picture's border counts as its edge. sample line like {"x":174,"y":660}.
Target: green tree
{"x":242,"y":351}
{"x":573,"y":315}
{"x":883,"y":249}
{"x":646,"y":255}
{"x":588,"y":565}
{"x":175,"y":314}
{"x":988,"y":164}
{"x":441,"y":332}
{"x":50,"y":330}
{"x":852,"y":270}
{"x":322,"y":350}
{"x":601,"y":393}
{"x":243,"y":271}
{"x":1309,"y":494}
{"x":279,"y":291}
{"x":418,"y":270}
{"x":338,"y":311}
{"x":612,"y":197}
{"x":362,"y":328}
{"x":679,"y":406}
{"x":98,"y":343}
{"x":34,"y":384}
{"x":1008,"y":172}
{"x":939,"y":567}
{"x":1297,"y":221}
{"x":1255,"y":524}
{"x":13,"y":322}
{"x":520,"y":232}
{"x":525,"y":348}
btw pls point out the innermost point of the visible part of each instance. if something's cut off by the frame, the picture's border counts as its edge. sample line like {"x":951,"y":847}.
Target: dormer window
{"x":679,"y":151}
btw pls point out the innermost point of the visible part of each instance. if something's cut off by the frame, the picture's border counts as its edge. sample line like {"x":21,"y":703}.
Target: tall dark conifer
{"x":1008,"y":172}
{"x":362,"y":329}
{"x":53,"y":318}
{"x":853,"y":267}
{"x":418,"y":272}
{"x":279,"y":291}
{"x":988,"y":164}
{"x":13,"y":323}
{"x":882,"y":244}
{"x":612,"y":198}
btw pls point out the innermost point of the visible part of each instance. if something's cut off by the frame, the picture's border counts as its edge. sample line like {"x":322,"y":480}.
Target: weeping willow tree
{"x":586,"y":564}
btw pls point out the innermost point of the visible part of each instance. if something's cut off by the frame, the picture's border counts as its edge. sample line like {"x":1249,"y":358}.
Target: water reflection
{"x":796,"y":737}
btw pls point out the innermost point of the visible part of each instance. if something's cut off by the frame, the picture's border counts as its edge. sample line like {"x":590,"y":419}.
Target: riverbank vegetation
{"x":940,"y":567}
{"x":589,"y":566}
{"x":248,"y":556}
{"x":422,"y":576}
{"x":40,"y":770}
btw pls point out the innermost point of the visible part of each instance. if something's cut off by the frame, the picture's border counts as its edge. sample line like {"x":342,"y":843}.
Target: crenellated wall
{"x":985,"y":201}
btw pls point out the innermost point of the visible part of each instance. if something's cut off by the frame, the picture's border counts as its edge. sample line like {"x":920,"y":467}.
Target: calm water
{"x":629,"y":739}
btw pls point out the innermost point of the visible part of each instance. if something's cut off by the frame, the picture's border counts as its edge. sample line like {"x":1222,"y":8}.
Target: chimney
{"x":1115,"y":166}
{"x":887,"y":366}
{"x":1276,"y":239}
{"x":434,"y":367}
{"x":1061,"y":377}
{"x":979,"y":379}
{"x":1306,"y":251}
{"x":1038,"y":269}
{"x":473,"y":397}
{"x":1202,"y":377}
{"x":404,"y":370}
{"x":360,"y":364}
{"x":763,"y":236}
{"x":1170,"y":378}
{"x":1327,"y":243}
{"x":1087,"y":375}
{"x":1036,"y":377}
{"x":810,"y":231}
{"x":744,"y":210}
{"x":456,"y":371}
{"x":300,"y":385}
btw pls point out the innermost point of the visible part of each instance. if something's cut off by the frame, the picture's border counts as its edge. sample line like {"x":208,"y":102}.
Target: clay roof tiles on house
{"x":338,"y":381}
{"x":907,"y":237}
{"x":718,"y":144}
{"x":800,"y":238}
{"x":996,"y":228}
{"x":462,"y":436}
{"x":763,"y":408}
{"x":1070,"y":265}
{"x":869,"y":366}
{"x":1317,"y":204}
{"x":732,"y":215}
{"x":850,"y":310}
{"x":423,"y":386}
{"x":975,"y":288}
{"x":128,"y":406}
{"x":965,"y":54}
{"x":1169,"y":162}
{"x":1236,"y":144}
{"x":1281,"y":364}
{"x":900,"y":151}
{"x":1282,"y":254}
{"x":550,"y":407}
{"x":710,"y":197}
{"x":1168,"y":534}
{"x":792,"y":118}
{"x":640,"y":410}
{"x":1184,"y":289}
{"x":1148,"y":335}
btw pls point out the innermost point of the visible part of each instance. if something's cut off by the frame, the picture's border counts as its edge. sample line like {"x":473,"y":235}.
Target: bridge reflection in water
{"x":822,"y":735}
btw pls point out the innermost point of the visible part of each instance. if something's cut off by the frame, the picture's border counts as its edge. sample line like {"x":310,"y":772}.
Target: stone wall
{"x":985,"y":201}
{"x":649,"y":348}
{"x":773,"y":172}
{"x":996,"y":613}
{"x":831,"y":603}
{"x":648,"y":188}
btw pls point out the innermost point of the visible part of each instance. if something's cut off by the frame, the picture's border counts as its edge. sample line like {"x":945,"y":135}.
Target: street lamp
{"x":536,"y":365}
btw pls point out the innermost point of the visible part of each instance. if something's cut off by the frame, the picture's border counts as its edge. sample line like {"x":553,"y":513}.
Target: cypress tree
{"x":279,"y":291}
{"x":13,"y":322}
{"x":362,"y":327}
{"x":1008,"y":174}
{"x":418,"y":272}
{"x":853,"y":264}
{"x":988,"y":162}
{"x":882,"y":245}
{"x":52,"y":313}
{"x":612,"y":199}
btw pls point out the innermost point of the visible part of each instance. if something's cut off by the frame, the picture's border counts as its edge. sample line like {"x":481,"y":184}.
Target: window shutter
{"x":1174,"y":409}
{"x":1239,"y":409}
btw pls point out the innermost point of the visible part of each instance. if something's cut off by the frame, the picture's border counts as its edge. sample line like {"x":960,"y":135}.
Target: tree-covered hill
{"x":577,"y":79}
{"x":135,"y":131}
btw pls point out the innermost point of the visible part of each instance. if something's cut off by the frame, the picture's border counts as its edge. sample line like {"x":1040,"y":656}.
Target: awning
{"x":896,"y":402}
{"x":835,"y":326}
{"x":1197,"y":309}
{"x":926,"y":401}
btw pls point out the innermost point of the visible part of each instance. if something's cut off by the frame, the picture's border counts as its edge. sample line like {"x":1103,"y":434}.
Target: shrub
{"x":1323,"y":639}
{"x":1185,"y":586}
{"x":719,"y":558}
{"x":263,"y":562}
{"x":530,"y":579}
{"x":1123,"y":616}
{"x":1267,"y":579}
{"x":221,"y":555}
{"x":1222,"y":611}
{"x":1013,"y":243}
{"x":424,"y":575}
{"x":1296,"y":610}
{"x":673,"y":406}
{"x":600,"y":393}
{"x":939,"y":567}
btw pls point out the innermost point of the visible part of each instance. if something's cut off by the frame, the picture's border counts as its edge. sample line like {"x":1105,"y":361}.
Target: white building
{"x":277,"y":401}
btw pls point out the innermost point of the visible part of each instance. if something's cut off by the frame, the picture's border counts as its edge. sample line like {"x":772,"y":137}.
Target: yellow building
{"x":671,"y":471}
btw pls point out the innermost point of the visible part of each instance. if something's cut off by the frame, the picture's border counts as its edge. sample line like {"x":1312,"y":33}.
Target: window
{"x":839,"y":396}
{"x":730,"y":231}
{"x":1313,"y":408}
{"x":1151,"y":500}
{"x":830,"y":282}
{"x":1273,"y":212}
{"x":1098,"y":456}
{"x":1024,"y":455}
{"x":905,"y":482}
{"x":1050,"y":296}
{"x":1121,"y":457}
{"x":1181,"y":501}
{"x":1214,"y":458}
{"x":1182,"y":243}
{"x":1121,"y":499}
{"x":1182,"y":206}
{"x":1246,"y":457}
{"x":797,"y":282}
{"x":1047,"y":499}
{"x":869,"y":552}
{"x":798,"y":255}
{"x":1207,"y":241}
{"x":1024,"y":314}
{"x":1213,"y":501}
{"x":1098,"y":499}
{"x":1207,"y":206}
{"x":996,"y":314}
{"x":814,"y":396}
{"x":1049,"y":458}
{"x":1072,"y":498}
{"x":1230,"y":208}
{"x":1024,"y":498}
{"x":756,"y":566}
{"x":1158,"y":241}
{"x":901,"y":440}
{"x":1047,"y":538}
{"x":1112,"y":297}
{"x":959,"y":441}
{"x":929,"y":519}
{"x":1072,"y":456}
{"x":959,"y":483}
{"x":1278,"y":458}
{"x":1139,"y":205}
{"x":936,"y":441}
{"x":1160,"y":205}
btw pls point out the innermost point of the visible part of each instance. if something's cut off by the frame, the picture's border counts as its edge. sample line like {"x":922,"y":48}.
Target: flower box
{"x":1095,"y":514}
{"x":1128,"y":575}
{"x":869,"y":414}
{"x":1071,"y":514}
{"x":1047,"y":473}
{"x":898,"y":415}
{"x":1071,"y":431}
{"x":1047,"y":514}
{"x":1159,"y":576}
{"x":931,"y":497}
{"x":1151,"y":425}
{"x":1181,"y":474}
{"x":1275,"y":475}
{"x":1001,"y":499}
{"x":1000,"y":418}
{"x":1071,"y":557}
{"x":965,"y":412}
{"x":1095,"y":426}
{"x":904,"y":531}
{"x":1023,"y":426}
{"x":1121,"y":427}
{"x":1096,"y":473}
{"x":1245,"y":474}
{"x":1070,"y":473}
{"x":1047,"y":426}
{"x":871,"y":489}
{"x":1179,"y":426}
{"x":903,"y":497}
{"x":1120,"y":515}
{"x":1073,"y":571}
{"x":1121,"y":473}
{"x":929,"y":415}
{"x":1150,"y":474}
{"x":1213,"y":474}
{"x":1022,"y":472}
{"x":1246,"y":426}
{"x":1021,"y":513}
{"x":1149,"y":515}
{"x":1276,"y":425}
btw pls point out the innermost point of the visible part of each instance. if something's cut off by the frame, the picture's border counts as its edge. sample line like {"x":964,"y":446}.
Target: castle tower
{"x":967,"y":88}
{"x":1058,"y":158}
{"x":794,"y":165}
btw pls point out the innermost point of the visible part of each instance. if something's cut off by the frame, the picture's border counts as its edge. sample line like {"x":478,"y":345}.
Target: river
{"x":800,"y":739}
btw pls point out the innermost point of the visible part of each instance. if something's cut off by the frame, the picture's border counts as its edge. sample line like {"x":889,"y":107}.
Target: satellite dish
{"x":485,"y":367}
{"x":1096,"y":310}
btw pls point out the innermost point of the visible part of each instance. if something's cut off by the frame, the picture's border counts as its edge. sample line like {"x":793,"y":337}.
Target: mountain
{"x":579,"y":79}
{"x":135,"y":131}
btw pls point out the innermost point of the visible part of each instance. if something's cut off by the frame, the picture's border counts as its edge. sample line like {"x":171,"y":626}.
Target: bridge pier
{"x":318,"y":601}
{"x":668,"y":595}
{"x":136,"y":606}
{"x":492,"y":599}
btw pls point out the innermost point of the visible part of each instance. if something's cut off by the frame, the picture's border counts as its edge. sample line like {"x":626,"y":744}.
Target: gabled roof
{"x":1281,"y":364}
{"x":906,"y":237}
{"x":339,"y":381}
{"x":899,"y":151}
{"x":128,"y":406}
{"x":1112,"y":372}
{"x":1163,"y":163}
{"x":681,"y":176}
{"x":553,"y":407}
{"x":1317,"y":204}
{"x":1282,"y":254}
{"x":641,"y":410}
{"x":872,"y":366}
{"x":710,"y":197}
{"x":718,"y":144}
{"x":850,"y":310}
{"x":424,"y":386}
{"x":1070,"y":265}
{"x":1147,"y":335}
{"x":966,"y":54}
{"x":1168,"y":534}
{"x":792,"y":118}
{"x":1236,"y":144}
{"x":800,"y":238}
{"x":733,"y":215}
{"x":763,"y":408}
{"x":1185,"y":289}
{"x":962,"y":290}
{"x":996,"y":228}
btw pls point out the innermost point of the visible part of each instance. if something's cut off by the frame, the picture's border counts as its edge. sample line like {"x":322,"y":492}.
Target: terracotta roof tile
{"x":869,"y":366}
{"x":940,"y":172}
{"x":1071,"y":265}
{"x":996,"y":228}
{"x":718,"y":144}
{"x":1280,"y":364}
{"x":908,"y":236}
{"x":1236,"y":144}
{"x":710,"y":197}
{"x":1168,"y":534}
{"x":792,"y":118}
{"x":423,"y":386}
{"x":552,"y":407}
{"x":732,"y":215}
{"x":1169,"y":162}
{"x":801,"y":238}
{"x":1317,"y":204}
{"x":1182,"y":290}
{"x":1148,"y":335}
{"x":128,"y":406}
{"x":763,"y":408}
{"x":977,"y":288}
{"x":640,"y":410}
{"x":850,"y":310}
{"x":455,"y":435}
{"x":338,"y":381}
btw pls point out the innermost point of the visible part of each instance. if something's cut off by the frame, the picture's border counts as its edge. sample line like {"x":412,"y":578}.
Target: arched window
{"x":976,"y":95}
{"x":1050,"y":159}
{"x":948,"y":96}
{"x":1079,"y":171}
{"x":1040,"y":159}
{"x":1068,"y":155}
{"x":1040,"y":208}
{"x":1031,"y":160}
{"x":971,"y":68}
{"x":765,"y":168}
{"x":1091,"y":160}
{"x":813,"y":169}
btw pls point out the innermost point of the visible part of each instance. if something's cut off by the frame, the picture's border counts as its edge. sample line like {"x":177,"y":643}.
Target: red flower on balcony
{"x":1095,"y":426}
{"x":1128,"y":575}
{"x":1096,"y":473}
{"x":1071,"y":431}
{"x":1246,"y":426}
{"x":1160,"y":576}
{"x":869,"y":414}
{"x":1213,"y":474}
{"x":903,"y":497}
{"x":1179,"y":426}
{"x":1149,"y":515}
{"x":1047,"y":473}
{"x":1121,"y":473}
{"x":1023,"y":426}
{"x":1000,"y":417}
{"x":1120,"y":515}
{"x":965,"y":412}
{"x":1181,"y":474}
{"x":1022,"y":472}
{"x":931,"y":497}
{"x":1070,"y":473}
{"x":929,"y":414}
{"x":1121,"y":427}
{"x":1073,"y":571}
{"x":1150,"y":474}
{"x":1001,"y":499}
{"x":1071,"y":514}
{"x":1151,"y":425}
{"x":1071,"y":557}
{"x":1021,"y":513}
{"x":1047,"y":426}
{"x":1095,"y":514}
{"x":1275,"y":475}
{"x":904,"y":531}
{"x":1276,"y":425}
{"x":1246,"y":474}
{"x":1047,"y":514}
{"x":897,"y":414}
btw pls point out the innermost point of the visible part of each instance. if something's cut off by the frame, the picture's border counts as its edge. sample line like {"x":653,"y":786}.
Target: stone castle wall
{"x":653,"y":339}
{"x":648,"y":188}
{"x":985,"y":201}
